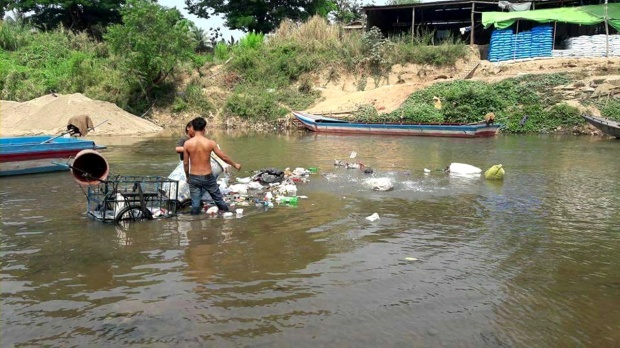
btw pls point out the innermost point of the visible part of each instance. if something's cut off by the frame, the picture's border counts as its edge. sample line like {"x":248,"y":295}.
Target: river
{"x":533,"y":260}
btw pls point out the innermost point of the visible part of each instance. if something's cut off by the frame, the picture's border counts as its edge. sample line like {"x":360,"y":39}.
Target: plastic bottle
{"x":288,"y":200}
{"x":313,"y":170}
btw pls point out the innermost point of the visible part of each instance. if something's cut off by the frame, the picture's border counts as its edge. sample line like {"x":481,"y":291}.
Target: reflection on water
{"x":528,"y":261}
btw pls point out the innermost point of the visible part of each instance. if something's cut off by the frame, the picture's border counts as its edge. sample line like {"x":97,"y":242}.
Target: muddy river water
{"x":533,"y":260}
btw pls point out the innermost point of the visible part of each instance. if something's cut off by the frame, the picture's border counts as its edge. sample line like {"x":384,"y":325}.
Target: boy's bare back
{"x":198,"y":152}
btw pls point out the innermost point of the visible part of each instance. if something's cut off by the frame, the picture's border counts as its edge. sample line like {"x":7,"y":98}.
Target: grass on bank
{"x":468,"y":101}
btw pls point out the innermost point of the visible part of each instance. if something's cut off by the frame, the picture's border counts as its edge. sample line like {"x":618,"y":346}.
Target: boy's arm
{"x":186,"y":162}
{"x":224,"y":157}
{"x":179,"y":147}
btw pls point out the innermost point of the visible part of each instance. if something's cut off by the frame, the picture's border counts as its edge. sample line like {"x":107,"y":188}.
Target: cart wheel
{"x":184,"y":206}
{"x":133,"y":213}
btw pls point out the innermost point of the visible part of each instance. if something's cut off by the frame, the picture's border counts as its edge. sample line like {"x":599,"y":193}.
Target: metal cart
{"x":127,"y":198}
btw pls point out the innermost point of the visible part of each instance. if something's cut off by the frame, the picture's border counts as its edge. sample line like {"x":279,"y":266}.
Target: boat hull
{"x":32,"y":166}
{"x":35,"y":154}
{"x":606,"y":126}
{"x":330,"y":125}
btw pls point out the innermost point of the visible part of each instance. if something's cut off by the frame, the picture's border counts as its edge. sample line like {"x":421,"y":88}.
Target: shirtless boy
{"x":197,"y":166}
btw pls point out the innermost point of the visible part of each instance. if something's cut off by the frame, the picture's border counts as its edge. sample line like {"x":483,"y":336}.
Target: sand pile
{"x":49,"y":115}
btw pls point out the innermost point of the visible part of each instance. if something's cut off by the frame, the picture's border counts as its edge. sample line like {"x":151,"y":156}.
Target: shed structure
{"x":457,"y":18}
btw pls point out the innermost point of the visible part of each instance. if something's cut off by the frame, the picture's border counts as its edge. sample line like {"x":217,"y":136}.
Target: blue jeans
{"x":198,"y":184}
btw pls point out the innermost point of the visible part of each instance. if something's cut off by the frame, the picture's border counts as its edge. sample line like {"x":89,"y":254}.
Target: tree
{"x":347,"y":11}
{"x":261,"y":16}
{"x":151,"y":41}
{"x":4,"y":4}
{"x":83,"y":15}
{"x":402,"y":2}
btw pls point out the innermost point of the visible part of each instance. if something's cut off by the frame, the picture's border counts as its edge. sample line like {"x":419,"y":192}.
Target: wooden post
{"x":471,"y":35}
{"x":606,"y":31}
{"x":412,"y":24}
{"x":514,"y":50}
{"x":555,"y":29}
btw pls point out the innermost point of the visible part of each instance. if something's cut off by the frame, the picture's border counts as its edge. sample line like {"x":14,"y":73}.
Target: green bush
{"x":611,"y":110}
{"x":423,"y":113}
{"x":295,"y":99}
{"x":563,"y":115}
{"x":197,"y":99}
{"x":221,"y":52}
{"x":252,"y":41}
{"x":366,"y":113}
{"x":179,"y":105}
{"x":511,"y":100}
{"x":254,"y":104}
{"x":13,"y":35}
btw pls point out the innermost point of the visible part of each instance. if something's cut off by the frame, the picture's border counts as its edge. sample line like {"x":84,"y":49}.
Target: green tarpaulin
{"x":585,"y":15}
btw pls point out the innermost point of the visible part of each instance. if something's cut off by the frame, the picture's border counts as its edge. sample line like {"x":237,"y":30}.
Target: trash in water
{"x":353,"y":154}
{"x":227,"y":214}
{"x":496,"y":172}
{"x":245,"y":180}
{"x":287,"y":200}
{"x":379,"y":184}
{"x":462,"y":168}
{"x":411,"y":259}
{"x":268,"y":196}
{"x":288,"y":190}
{"x":239,"y":211}
{"x":212,"y":210}
{"x":426,"y":170}
{"x":241,"y":189}
{"x":373,"y":217}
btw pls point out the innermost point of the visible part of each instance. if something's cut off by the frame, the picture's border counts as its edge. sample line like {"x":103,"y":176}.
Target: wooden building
{"x":458,"y":18}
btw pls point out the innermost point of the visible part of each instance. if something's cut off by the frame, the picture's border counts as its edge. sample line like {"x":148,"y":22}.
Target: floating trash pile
{"x":266,"y":189}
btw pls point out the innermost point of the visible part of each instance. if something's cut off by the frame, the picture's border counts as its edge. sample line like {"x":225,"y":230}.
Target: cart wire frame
{"x":126,"y":198}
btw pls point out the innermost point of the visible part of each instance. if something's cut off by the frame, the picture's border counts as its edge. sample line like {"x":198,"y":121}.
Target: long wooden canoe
{"x":317,"y":123}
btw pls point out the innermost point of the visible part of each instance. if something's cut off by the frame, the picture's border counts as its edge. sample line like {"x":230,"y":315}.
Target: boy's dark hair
{"x":199,"y":124}
{"x":189,"y":124}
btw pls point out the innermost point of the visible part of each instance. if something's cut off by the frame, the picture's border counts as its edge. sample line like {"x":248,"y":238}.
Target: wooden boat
{"x":606,"y":125}
{"x":35,"y":154}
{"x":324,"y":124}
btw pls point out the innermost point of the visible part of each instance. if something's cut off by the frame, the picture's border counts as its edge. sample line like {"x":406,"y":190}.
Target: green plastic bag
{"x":496,"y":172}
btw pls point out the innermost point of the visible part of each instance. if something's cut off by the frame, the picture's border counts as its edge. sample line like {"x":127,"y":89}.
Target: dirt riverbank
{"x":48,"y":114}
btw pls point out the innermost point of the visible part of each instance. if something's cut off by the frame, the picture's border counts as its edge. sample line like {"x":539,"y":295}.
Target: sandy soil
{"x":49,"y":115}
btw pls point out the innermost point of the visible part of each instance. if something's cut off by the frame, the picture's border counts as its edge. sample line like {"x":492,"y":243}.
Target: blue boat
{"x":36,"y":154}
{"x":324,"y":124}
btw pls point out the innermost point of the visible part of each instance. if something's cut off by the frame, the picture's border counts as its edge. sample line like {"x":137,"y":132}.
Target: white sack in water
{"x":465,"y":169}
{"x":183,"y":189}
{"x":300,"y":171}
{"x":380,"y":184}
{"x":288,"y":189}
{"x":373,"y":217}
{"x":245,"y":180}
{"x":255,"y":185}
{"x":241,"y":189}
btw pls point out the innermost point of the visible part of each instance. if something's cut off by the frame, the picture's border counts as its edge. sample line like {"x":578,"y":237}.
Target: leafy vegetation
{"x":259,"y":16}
{"x":81,"y":16}
{"x":611,"y":109}
{"x":154,"y":52}
{"x":149,"y":44}
{"x":511,"y":100}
